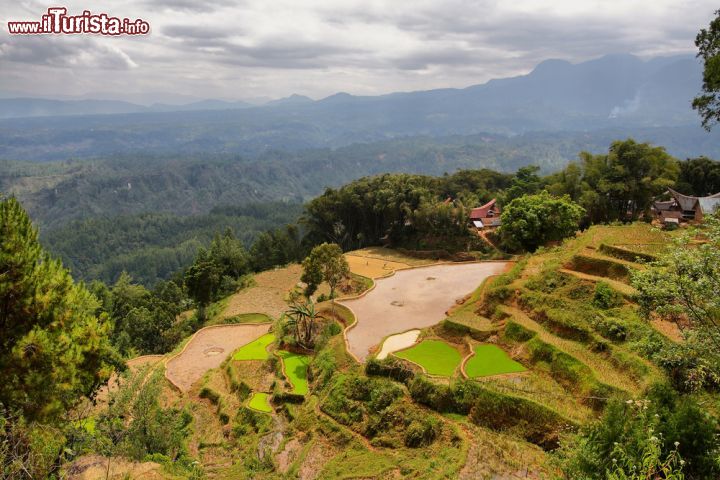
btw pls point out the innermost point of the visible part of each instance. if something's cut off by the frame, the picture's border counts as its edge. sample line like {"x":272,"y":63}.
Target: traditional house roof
{"x":664,"y":206}
{"x":686,"y":202}
{"x":486,"y":211}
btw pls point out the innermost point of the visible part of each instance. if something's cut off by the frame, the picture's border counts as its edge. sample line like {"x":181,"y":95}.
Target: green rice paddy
{"x":435,"y":356}
{"x":296,"y":367}
{"x":255,"y":350}
{"x":491,"y":360}
{"x":261,"y":402}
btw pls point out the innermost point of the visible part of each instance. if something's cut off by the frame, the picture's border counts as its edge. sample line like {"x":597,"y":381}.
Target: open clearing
{"x":398,"y":342}
{"x":410,"y":299}
{"x":491,"y":360}
{"x":255,"y":350}
{"x":435,"y":356}
{"x":295,"y":367}
{"x":261,"y":402}
{"x":207,"y":349}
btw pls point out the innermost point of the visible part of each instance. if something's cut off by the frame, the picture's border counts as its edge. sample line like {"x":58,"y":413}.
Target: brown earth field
{"x":207,"y":350}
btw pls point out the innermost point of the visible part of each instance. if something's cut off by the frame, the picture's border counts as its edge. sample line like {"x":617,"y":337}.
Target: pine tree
{"x":53,"y":349}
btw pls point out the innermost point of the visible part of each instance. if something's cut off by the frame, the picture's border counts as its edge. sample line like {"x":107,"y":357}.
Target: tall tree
{"x":531,"y":221}
{"x":708,"y":43}
{"x":328,"y":259}
{"x":622,"y":184}
{"x":203,"y":280}
{"x":53,"y":348}
{"x":699,"y":176}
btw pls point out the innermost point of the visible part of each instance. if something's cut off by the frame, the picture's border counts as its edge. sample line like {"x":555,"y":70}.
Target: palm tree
{"x":302,"y":317}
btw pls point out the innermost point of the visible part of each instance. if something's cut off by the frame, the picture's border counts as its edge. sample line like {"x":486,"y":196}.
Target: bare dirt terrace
{"x":207,"y":349}
{"x":414,"y":298}
{"x":269,"y":293}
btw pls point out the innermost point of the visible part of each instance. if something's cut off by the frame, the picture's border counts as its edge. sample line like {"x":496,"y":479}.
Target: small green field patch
{"x":435,"y":356}
{"x":296,"y":367}
{"x":255,"y":350}
{"x":261,"y":402}
{"x":491,"y":360}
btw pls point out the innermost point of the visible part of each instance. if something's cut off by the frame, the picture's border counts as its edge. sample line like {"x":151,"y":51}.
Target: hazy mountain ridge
{"x":615,"y":91}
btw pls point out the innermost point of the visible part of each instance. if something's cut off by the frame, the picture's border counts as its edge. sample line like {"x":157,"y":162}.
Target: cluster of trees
{"x":413,"y":211}
{"x":399,"y":208}
{"x":619,"y":185}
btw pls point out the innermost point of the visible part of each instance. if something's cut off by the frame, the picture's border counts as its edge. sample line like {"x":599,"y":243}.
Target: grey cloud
{"x":195,"y":32}
{"x":65,"y":51}
{"x":194,"y":6}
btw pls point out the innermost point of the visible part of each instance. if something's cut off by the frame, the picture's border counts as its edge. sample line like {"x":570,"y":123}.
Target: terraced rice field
{"x":435,"y":356}
{"x":490,"y":360}
{"x":295,"y":367}
{"x":260,"y":401}
{"x":412,"y":299}
{"x":255,"y":350}
{"x":207,"y":349}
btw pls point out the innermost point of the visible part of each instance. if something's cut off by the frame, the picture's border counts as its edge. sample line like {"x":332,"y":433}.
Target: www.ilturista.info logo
{"x":57,"y":21}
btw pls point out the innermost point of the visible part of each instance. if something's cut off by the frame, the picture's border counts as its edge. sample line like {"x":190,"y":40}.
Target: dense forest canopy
{"x":408,"y":210}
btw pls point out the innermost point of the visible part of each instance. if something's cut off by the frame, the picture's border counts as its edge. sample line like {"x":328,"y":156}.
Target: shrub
{"x":612,"y":329}
{"x":209,"y":394}
{"x":606,"y":297}
{"x":323,"y":366}
{"x":437,"y":397}
{"x":248,"y":421}
{"x":628,"y":426}
{"x":421,"y":432}
{"x":382,"y":396}
{"x":391,"y":368}
{"x":517,"y":333}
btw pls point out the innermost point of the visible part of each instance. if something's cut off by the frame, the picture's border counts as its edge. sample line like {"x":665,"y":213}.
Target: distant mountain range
{"x":618,"y":92}
{"x":611,"y":87}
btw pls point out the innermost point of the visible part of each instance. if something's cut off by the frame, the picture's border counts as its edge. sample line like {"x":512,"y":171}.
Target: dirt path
{"x":413,"y":298}
{"x":207,"y":350}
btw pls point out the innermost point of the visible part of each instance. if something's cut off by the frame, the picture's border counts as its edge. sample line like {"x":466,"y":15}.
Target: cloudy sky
{"x":242,"y":49}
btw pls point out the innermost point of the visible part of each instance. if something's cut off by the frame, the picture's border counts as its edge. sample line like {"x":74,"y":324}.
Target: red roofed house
{"x":486,"y":216}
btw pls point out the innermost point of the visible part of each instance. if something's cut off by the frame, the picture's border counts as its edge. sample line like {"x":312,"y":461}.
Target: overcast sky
{"x":241,"y":49}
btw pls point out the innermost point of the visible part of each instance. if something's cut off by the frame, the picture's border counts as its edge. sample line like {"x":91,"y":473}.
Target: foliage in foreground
{"x":664,"y":430}
{"x":684,"y":286}
{"x":54,"y":350}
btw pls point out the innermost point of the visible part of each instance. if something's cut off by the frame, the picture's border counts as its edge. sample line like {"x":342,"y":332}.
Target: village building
{"x":486,"y":216}
{"x":685,"y":208}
